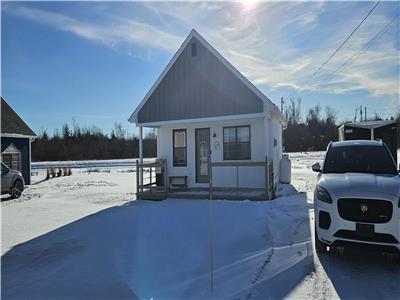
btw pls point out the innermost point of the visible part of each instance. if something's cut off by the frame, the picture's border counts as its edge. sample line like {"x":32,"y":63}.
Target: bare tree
{"x":331,"y":114}
{"x":293,"y":111}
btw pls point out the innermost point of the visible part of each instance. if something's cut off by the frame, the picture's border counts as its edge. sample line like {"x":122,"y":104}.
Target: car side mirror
{"x":316,"y":167}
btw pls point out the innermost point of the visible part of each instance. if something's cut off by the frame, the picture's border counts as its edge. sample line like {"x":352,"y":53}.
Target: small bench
{"x":178,"y":181}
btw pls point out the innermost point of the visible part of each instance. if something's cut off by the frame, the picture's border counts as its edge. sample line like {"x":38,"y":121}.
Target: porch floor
{"x":200,"y":193}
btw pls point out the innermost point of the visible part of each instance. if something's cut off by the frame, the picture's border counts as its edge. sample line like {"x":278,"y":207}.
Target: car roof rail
{"x":379,"y":140}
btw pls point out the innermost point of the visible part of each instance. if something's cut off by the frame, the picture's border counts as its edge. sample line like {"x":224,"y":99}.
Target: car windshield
{"x":359,"y":159}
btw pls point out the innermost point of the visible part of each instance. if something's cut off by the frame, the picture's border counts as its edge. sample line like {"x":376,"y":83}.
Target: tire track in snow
{"x":259,"y":274}
{"x":261,"y":269}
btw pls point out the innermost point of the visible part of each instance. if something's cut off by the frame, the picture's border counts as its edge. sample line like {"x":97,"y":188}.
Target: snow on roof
{"x":356,"y":143}
{"x":370,"y":124}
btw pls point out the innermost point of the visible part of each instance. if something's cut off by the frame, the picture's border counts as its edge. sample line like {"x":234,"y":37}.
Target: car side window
{"x":3,"y":168}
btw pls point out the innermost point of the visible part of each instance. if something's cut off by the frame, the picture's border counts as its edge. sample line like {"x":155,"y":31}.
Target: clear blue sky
{"x":95,"y":61}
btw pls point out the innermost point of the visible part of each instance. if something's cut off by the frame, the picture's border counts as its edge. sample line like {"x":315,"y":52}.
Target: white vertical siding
{"x":223,"y":177}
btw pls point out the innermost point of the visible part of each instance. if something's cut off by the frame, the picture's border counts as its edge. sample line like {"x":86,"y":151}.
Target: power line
{"x":341,"y":45}
{"x":345,"y":41}
{"x":366,"y":47}
{"x":359,"y":52}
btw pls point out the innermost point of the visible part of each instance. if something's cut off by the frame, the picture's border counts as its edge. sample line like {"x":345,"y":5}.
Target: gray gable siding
{"x":198,"y":87}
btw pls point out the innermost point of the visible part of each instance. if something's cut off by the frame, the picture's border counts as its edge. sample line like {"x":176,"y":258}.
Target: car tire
{"x":320,"y":247}
{"x":17,"y":189}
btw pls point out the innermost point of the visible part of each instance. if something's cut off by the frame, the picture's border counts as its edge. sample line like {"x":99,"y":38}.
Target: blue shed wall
{"x":23,"y":145}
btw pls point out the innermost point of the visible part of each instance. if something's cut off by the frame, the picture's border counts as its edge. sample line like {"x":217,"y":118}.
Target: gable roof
{"x":194,"y":35}
{"x":12,"y":124}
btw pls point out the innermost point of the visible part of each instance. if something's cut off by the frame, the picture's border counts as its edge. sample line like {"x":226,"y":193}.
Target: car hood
{"x":360,"y":182}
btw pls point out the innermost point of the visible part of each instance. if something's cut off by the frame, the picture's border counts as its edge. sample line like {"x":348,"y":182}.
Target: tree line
{"x":315,"y":131}
{"x":85,"y":143}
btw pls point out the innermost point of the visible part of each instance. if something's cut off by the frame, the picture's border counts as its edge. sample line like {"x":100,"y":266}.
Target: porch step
{"x":152,"y":195}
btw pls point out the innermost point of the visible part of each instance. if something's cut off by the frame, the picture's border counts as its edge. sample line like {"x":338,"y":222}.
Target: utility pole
{"x":355,"y":115}
{"x":282,"y":102}
{"x":361,"y":113}
{"x":365,"y":113}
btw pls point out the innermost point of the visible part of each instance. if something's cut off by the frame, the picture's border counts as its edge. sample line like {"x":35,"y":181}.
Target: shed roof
{"x":11,"y":123}
{"x":356,"y":143}
{"x":370,"y":124}
{"x":214,"y":77}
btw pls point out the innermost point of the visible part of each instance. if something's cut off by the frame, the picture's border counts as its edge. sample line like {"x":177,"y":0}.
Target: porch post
{"x":141,"y":156}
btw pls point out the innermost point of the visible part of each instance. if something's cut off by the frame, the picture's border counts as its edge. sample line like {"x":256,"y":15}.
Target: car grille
{"x":365,"y":210}
{"x":375,"y":237}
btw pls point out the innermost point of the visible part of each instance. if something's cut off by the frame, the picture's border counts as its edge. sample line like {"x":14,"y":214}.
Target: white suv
{"x":357,"y":198}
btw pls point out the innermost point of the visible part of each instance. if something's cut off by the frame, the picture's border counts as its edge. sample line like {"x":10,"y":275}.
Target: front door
{"x":202,"y":153}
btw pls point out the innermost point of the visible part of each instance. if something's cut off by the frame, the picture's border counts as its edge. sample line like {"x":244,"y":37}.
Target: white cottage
{"x":215,"y":129}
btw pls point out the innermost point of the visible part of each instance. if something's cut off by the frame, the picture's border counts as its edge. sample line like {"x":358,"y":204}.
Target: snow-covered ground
{"x":48,"y":205}
{"x":82,"y":237}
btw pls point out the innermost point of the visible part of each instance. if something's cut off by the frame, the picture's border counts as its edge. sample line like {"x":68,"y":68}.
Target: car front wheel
{"x":17,"y":189}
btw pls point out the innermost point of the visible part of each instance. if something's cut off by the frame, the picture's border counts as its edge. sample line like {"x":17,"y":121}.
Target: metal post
{"x":141,"y":155}
{"x":210,"y":225}
{"x":137,"y":179}
{"x":164,"y":165}
{"x":237,"y":180}
{"x":266,"y":178}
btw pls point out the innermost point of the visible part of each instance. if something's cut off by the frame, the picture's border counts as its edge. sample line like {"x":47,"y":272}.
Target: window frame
{"x":236,"y":142}
{"x":175,"y":164}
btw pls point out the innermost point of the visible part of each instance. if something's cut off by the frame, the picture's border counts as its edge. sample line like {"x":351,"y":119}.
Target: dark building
{"x":16,"y":138}
{"x":385,"y":130}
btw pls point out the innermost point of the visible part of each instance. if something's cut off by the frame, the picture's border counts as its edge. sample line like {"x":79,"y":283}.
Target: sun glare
{"x":249,"y":4}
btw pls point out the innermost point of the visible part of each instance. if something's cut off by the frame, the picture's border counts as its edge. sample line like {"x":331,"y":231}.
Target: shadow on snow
{"x":161,"y":249}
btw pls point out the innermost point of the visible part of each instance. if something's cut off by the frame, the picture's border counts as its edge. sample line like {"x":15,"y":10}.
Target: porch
{"x":153,"y":183}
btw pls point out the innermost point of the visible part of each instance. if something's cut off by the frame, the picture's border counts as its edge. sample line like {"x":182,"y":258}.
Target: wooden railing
{"x":150,"y":181}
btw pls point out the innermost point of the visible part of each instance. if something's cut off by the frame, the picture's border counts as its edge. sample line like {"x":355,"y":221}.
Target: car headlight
{"x":323,"y":195}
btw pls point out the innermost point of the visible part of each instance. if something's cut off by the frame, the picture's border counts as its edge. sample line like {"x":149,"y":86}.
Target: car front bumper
{"x":341,"y":232}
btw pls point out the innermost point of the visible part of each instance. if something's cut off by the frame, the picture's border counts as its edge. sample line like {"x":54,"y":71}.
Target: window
{"x":237,"y":143}
{"x":11,"y":157}
{"x":179,"y":147}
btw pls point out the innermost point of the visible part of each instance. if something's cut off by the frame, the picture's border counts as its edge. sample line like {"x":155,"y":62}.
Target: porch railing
{"x":267,"y":188}
{"x":149,"y":175}
{"x":152,"y":180}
